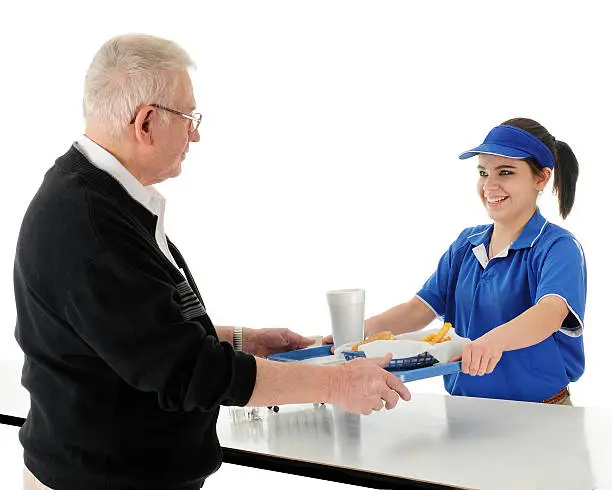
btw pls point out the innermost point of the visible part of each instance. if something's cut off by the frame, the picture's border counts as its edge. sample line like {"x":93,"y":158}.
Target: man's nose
{"x":195,"y":136}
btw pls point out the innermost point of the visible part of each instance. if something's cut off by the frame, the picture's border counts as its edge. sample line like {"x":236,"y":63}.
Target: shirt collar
{"x":530,"y":234}
{"x":148,"y":196}
{"x":481,"y":237}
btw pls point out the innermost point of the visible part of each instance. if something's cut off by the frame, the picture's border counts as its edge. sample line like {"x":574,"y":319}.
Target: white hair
{"x":128,"y":71}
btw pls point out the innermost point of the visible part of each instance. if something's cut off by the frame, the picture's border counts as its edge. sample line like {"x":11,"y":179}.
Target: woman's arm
{"x":406,"y":317}
{"x":529,"y":328}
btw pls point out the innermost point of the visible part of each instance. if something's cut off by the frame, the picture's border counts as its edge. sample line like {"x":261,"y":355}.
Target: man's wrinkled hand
{"x":364,"y":386}
{"x":262,"y":342}
{"x":329,"y":339}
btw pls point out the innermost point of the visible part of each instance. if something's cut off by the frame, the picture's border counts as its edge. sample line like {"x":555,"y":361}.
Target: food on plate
{"x":439,"y":336}
{"x":386,"y":335}
{"x":430,"y":339}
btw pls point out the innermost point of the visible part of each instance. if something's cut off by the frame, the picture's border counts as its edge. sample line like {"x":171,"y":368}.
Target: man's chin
{"x":176,"y":171}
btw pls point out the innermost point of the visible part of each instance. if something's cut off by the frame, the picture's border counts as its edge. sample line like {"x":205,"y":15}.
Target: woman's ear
{"x":542,"y":178}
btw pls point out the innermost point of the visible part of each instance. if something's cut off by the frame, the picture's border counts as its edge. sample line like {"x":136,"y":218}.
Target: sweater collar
{"x":147,"y":196}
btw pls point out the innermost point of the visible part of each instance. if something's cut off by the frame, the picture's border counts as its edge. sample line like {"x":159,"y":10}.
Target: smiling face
{"x":508,"y":188}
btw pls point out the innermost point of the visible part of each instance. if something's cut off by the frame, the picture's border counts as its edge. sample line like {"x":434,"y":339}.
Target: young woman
{"x":517,"y":287}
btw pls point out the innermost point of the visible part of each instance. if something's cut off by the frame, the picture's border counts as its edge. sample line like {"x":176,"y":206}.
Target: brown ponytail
{"x":566,"y":164}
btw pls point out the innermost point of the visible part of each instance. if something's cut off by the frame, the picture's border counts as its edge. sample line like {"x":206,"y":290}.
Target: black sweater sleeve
{"x":126,"y":306}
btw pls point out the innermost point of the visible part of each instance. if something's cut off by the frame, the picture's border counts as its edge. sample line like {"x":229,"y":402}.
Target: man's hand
{"x":363,"y":386}
{"x":479,"y":357}
{"x":262,"y":342}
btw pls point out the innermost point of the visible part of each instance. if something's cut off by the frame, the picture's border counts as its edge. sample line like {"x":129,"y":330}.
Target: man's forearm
{"x":225,"y":334}
{"x":286,"y":383}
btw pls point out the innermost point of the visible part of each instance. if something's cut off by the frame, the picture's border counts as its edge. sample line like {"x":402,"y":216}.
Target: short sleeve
{"x":563,"y":274}
{"x":434,"y":291}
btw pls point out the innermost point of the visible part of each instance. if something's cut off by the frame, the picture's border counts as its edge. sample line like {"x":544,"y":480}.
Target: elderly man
{"x":124,"y":366}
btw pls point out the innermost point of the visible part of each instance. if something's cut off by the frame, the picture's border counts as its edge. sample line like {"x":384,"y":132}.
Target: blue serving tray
{"x":404,"y":375}
{"x":301,"y":354}
{"x":428,"y":372}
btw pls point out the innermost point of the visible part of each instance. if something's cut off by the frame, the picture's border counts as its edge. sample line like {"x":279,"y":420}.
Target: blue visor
{"x":512,"y":142}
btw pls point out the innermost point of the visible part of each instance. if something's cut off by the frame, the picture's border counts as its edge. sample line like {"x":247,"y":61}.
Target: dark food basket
{"x":425,"y":359}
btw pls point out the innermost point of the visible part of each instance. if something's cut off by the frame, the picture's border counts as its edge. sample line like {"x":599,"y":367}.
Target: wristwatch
{"x":237,"y":338}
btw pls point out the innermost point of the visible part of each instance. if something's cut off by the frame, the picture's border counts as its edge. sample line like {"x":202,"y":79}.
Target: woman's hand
{"x":480,"y":357}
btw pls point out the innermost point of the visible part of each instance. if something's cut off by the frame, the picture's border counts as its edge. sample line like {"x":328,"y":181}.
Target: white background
{"x":330,"y":136}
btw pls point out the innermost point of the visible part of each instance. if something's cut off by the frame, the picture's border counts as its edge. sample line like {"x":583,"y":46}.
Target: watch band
{"x":237,"y":338}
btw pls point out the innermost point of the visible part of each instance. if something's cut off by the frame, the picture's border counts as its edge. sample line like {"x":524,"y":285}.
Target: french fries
{"x":433,"y":338}
{"x":439,"y":336}
{"x":386,"y":335}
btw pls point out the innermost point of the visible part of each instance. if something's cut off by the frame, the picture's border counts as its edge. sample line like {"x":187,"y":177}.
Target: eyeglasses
{"x":194,"y":118}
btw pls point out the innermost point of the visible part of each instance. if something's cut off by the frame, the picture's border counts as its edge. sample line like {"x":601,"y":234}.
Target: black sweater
{"x":123,"y":365}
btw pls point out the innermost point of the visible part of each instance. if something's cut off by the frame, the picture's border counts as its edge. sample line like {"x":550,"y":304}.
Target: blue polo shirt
{"x":476,"y":295}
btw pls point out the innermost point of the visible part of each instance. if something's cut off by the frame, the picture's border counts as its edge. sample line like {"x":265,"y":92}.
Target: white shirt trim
{"x":480,"y":233}
{"x":569,"y":333}
{"x":148,"y":196}
{"x":430,"y":307}
{"x":541,"y":230}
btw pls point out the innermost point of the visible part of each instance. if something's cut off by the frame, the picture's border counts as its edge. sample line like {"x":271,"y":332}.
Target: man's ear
{"x":142,"y":125}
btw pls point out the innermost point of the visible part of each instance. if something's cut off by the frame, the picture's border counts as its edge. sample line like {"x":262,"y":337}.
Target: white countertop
{"x":14,"y":398}
{"x":11,"y":458}
{"x":463,"y":442}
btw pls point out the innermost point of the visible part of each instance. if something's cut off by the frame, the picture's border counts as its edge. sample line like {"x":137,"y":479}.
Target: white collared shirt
{"x":148,"y":196}
{"x":480,"y":251}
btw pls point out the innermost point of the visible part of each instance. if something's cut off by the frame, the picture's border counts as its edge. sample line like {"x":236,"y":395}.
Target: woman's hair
{"x":566,"y":165}
{"x":129,"y":71}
